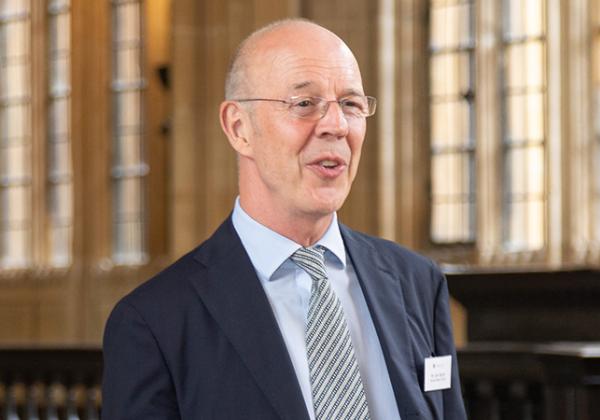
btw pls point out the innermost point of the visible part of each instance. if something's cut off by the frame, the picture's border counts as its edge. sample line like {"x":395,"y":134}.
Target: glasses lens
{"x":305,"y":106}
{"x":311,"y":107}
{"x":372,"y":105}
{"x":355,"y":106}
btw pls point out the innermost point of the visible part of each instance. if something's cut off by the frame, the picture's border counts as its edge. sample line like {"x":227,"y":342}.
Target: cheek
{"x":356,"y":140}
{"x":278,"y":155}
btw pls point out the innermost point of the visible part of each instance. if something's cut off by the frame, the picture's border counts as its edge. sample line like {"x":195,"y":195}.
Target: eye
{"x":304,"y":102}
{"x":304,"y":107}
{"x":354,"y":103}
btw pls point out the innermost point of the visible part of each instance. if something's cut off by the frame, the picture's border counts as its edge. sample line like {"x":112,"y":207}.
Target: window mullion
{"x":487,"y":103}
{"x":59,"y":173}
{"x":39,"y":245}
{"x":556,"y":131}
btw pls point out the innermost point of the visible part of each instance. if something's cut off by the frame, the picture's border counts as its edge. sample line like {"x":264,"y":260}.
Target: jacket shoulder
{"x":393,"y":253}
{"x":173,"y":285}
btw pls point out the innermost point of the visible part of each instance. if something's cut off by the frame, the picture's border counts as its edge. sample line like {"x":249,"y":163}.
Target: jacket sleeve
{"x":454,"y":408}
{"x":136,"y":381}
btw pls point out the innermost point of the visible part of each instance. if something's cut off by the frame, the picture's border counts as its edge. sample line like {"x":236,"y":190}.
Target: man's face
{"x":304,"y":167}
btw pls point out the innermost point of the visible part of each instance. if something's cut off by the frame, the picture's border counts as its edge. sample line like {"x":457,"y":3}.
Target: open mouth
{"x":329,"y":164}
{"x":329,"y":167}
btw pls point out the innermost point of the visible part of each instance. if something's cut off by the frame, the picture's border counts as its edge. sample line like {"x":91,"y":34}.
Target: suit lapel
{"x":235,"y":298}
{"x":383,"y":292}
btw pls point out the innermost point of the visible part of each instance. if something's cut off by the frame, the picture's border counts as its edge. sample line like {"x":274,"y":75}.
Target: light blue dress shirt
{"x":288,"y":288}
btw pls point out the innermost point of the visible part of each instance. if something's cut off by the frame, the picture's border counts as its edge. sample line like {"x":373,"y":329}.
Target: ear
{"x":236,"y":125}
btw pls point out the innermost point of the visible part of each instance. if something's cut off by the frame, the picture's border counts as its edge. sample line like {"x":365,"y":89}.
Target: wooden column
{"x":355,"y":21}
{"x":203,"y":182}
{"x":91,"y":140}
{"x":412,"y":129}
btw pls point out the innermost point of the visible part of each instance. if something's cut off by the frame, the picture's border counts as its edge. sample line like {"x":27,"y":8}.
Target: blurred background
{"x":484,"y":154}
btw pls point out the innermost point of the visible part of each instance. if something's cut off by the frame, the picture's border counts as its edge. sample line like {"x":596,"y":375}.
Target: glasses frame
{"x":322,"y":105}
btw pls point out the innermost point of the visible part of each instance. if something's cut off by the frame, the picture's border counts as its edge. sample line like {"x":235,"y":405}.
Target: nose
{"x":333,"y":123}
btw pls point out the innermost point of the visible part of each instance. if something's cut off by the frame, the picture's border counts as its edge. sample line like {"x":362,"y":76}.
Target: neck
{"x":303,"y":229}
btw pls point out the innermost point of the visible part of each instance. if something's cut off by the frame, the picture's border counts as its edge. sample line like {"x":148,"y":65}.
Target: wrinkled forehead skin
{"x":301,"y":55}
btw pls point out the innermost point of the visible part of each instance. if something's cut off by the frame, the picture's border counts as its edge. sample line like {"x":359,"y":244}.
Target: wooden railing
{"x":534,"y":342}
{"x":501,"y":381}
{"x":50,"y":384}
{"x":512,"y":381}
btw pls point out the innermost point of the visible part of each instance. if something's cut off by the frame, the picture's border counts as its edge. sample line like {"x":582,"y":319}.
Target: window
{"x":129,"y":169}
{"x":452,"y":114}
{"x":15,"y":134}
{"x":488,"y":100}
{"x":59,"y":176}
{"x":524,"y":124}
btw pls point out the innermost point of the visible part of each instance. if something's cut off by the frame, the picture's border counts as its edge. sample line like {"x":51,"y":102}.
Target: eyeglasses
{"x":315,"y":108}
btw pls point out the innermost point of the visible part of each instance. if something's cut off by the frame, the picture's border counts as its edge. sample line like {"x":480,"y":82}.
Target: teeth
{"x":328,"y":163}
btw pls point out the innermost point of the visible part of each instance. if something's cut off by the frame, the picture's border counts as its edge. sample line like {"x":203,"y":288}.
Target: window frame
{"x":568,"y":225}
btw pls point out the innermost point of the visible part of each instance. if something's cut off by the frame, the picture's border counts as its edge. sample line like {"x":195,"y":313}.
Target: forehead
{"x":295,"y":72}
{"x":306,"y":61}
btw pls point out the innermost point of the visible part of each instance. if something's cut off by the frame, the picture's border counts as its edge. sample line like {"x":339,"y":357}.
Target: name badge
{"x":438,"y":371}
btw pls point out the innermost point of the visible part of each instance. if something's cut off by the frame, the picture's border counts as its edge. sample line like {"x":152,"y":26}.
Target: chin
{"x":329,"y":205}
{"x":324,"y":201}
{"x":326,"y":210}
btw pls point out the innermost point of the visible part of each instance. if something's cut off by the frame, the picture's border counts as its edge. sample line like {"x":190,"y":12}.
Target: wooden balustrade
{"x":501,"y":381}
{"x":525,"y":381}
{"x":50,"y":384}
{"x":534,"y":342}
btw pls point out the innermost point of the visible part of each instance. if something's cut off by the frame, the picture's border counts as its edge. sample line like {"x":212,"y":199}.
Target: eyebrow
{"x":352,"y":92}
{"x":302,"y":85}
{"x":347,"y":92}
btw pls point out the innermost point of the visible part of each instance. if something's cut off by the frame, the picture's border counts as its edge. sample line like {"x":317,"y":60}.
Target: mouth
{"x":330,"y":167}
{"x":329,"y":164}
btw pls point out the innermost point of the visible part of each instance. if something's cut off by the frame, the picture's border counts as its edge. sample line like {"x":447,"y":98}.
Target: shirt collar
{"x":333,"y":242}
{"x":268,"y":249}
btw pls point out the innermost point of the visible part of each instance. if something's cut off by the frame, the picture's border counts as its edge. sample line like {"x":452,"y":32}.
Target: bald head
{"x":252,"y":53}
{"x":293,"y":91}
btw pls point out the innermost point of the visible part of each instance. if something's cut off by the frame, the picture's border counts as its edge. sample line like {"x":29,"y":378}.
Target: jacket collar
{"x":231,"y":287}
{"x":382,"y":286}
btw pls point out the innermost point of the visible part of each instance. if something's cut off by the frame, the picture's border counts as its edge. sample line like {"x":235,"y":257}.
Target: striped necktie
{"x":337,"y":388}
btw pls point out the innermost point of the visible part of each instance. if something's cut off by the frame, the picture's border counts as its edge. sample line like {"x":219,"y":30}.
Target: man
{"x":284,"y":313}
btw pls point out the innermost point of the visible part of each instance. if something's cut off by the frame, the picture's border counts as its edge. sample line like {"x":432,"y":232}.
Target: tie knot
{"x":311,"y":260}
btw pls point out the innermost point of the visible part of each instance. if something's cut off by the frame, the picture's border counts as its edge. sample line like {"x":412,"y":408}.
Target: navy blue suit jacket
{"x":200,"y":341}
